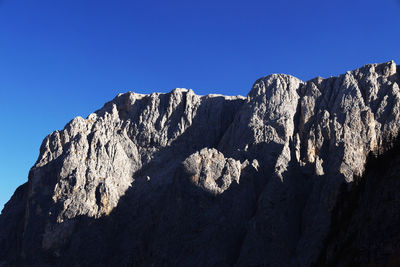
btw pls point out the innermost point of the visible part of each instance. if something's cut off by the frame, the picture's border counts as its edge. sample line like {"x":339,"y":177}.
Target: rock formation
{"x":179,"y":179}
{"x":364,"y":223}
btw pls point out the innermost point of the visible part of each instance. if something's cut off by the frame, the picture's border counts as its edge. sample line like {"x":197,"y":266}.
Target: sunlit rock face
{"x":182,"y":179}
{"x":211,"y":171}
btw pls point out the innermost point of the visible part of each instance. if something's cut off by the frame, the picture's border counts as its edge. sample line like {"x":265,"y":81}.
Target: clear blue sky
{"x":61,"y":59}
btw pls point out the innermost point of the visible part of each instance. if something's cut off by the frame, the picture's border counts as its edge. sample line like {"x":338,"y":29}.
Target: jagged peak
{"x":130,"y":161}
{"x":386,"y":69}
{"x":269,"y":83}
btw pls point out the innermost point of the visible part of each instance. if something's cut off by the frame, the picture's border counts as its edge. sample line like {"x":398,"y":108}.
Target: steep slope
{"x":181,"y":179}
{"x":338,"y":121}
{"x":364,"y":229}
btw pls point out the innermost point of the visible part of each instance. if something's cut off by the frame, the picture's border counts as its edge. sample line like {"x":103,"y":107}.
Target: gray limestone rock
{"x":181,"y":179}
{"x":211,"y":171}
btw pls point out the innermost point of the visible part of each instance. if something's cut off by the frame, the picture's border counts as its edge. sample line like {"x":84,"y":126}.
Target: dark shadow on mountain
{"x":364,"y":226}
{"x":165,"y":220}
{"x":165,"y":224}
{"x":162,"y":221}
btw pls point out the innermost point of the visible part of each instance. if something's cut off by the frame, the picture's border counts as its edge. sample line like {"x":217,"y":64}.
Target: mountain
{"x":179,"y":179}
{"x":364,"y":221}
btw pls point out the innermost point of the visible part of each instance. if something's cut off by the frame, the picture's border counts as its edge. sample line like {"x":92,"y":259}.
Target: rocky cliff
{"x":364,"y":226}
{"x":179,"y":179}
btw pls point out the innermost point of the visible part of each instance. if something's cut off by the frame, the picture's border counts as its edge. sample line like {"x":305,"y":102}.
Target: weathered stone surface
{"x":364,"y":228}
{"x":181,"y":179}
{"x":209,"y":170}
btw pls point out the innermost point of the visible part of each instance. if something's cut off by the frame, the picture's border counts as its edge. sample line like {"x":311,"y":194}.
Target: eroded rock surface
{"x":211,"y":171}
{"x":181,"y":179}
{"x":364,"y":227}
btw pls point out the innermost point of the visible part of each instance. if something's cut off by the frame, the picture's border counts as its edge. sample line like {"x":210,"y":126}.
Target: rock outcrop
{"x":364,"y":223}
{"x":181,"y":179}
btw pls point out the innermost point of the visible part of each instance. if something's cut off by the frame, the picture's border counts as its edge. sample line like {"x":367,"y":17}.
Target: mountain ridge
{"x":202,"y":180}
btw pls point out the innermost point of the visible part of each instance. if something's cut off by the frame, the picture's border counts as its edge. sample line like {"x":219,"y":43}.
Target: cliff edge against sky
{"x":178,"y":179}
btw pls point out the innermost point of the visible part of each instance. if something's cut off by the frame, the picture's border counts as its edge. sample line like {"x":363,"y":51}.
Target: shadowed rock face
{"x":364,"y":227}
{"x":181,"y":179}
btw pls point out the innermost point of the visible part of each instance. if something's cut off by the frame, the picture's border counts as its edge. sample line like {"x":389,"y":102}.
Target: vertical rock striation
{"x":181,"y":179}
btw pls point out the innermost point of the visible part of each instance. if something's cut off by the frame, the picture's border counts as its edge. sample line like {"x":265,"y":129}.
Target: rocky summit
{"x":179,"y":179}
